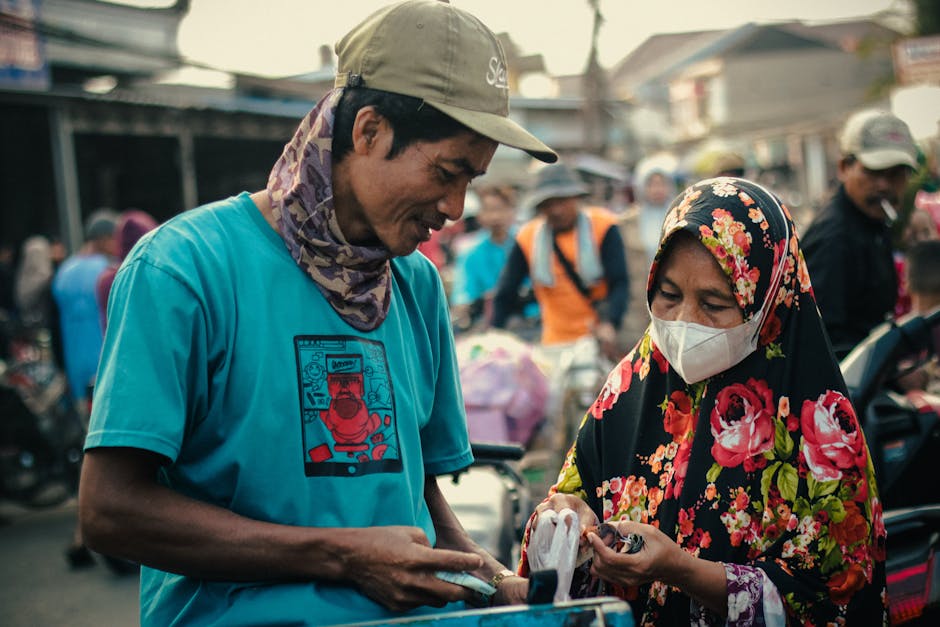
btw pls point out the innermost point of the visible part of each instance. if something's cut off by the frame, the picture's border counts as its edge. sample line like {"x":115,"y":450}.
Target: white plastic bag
{"x":554,"y":545}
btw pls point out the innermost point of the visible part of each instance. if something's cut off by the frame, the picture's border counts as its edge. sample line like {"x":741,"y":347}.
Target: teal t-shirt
{"x":223,"y":356}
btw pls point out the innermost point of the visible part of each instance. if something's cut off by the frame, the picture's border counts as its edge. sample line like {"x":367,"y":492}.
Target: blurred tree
{"x":926,"y":17}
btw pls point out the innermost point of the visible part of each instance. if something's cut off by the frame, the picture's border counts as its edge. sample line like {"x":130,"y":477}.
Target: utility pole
{"x":594,"y":88}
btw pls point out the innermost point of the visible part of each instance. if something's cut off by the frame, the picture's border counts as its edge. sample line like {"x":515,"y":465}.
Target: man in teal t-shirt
{"x":278,"y":387}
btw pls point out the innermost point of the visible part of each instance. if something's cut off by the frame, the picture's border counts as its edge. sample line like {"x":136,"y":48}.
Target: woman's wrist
{"x":702,"y":579}
{"x":682,"y":570}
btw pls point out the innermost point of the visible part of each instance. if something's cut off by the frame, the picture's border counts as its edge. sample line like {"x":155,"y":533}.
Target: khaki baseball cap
{"x":431,"y":50}
{"x":879,"y":140}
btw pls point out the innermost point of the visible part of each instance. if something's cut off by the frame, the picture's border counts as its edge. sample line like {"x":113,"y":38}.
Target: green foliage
{"x":834,"y":507}
{"x":819,"y":489}
{"x":783,"y":442}
{"x":927,"y":17}
{"x":924,"y":179}
{"x":773,"y":350}
{"x":832,"y":561}
{"x":713,"y":472}
{"x":767,"y":477}
{"x":802,"y":507}
{"x":787,"y":482}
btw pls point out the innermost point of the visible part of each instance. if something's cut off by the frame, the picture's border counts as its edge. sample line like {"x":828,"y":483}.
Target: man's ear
{"x":367,"y":126}
{"x":843,"y":167}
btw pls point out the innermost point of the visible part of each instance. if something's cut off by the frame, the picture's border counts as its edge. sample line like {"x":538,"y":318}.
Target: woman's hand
{"x":557,"y":502}
{"x":587,"y":519}
{"x":659,"y":559}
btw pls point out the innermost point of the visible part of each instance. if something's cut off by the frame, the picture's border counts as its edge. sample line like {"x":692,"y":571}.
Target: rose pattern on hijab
{"x":763,"y":467}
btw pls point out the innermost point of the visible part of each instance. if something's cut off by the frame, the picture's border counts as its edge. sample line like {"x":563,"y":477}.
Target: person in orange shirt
{"x":575,"y":257}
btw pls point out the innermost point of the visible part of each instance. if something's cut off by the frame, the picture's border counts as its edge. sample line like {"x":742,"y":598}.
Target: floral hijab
{"x":762,"y":467}
{"x":354,"y":279}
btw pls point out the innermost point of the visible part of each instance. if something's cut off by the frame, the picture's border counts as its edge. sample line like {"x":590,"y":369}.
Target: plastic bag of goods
{"x":505,"y":391}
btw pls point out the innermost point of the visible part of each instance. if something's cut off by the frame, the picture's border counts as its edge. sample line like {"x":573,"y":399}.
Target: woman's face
{"x":657,"y":190}
{"x":690,"y":287}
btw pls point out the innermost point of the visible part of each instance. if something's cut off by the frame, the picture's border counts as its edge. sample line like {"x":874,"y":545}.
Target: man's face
{"x":867,"y":188}
{"x":106,"y":245}
{"x":399,"y":202}
{"x":561,"y":213}
{"x":496,"y":215}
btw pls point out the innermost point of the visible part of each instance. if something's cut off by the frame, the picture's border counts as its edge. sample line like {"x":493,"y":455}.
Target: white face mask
{"x":697,"y":352}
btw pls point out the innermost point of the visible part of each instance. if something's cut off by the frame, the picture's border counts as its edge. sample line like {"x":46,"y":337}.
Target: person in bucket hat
{"x":848,"y":245}
{"x":279,"y":388}
{"x":591,"y":297}
{"x":574,"y":256}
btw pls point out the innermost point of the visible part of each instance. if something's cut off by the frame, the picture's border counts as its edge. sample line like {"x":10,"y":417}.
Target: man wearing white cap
{"x":279,"y":388}
{"x":848,"y":246}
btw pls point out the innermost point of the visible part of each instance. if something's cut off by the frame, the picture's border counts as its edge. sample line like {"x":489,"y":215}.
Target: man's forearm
{"x":135,"y":518}
{"x":451,"y":534}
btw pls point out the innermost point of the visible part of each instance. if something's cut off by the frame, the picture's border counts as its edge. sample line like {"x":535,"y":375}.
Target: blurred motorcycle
{"x":41,"y":432}
{"x":902,"y":427}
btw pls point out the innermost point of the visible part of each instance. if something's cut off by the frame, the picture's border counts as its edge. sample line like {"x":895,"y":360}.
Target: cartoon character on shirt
{"x":348,"y":417}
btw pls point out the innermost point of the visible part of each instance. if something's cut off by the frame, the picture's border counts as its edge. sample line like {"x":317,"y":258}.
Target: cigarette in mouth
{"x":891,"y":214}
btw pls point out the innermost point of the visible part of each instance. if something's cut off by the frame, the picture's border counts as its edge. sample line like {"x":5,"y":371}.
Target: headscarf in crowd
{"x":131,"y":226}
{"x":651,"y":214}
{"x":31,"y":283}
{"x":762,"y":467}
{"x":354,"y":279}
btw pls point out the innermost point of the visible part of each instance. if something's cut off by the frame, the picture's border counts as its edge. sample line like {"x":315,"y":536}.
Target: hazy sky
{"x":282,"y":37}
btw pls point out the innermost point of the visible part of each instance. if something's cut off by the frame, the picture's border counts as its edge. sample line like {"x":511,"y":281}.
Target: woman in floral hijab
{"x":752,"y":486}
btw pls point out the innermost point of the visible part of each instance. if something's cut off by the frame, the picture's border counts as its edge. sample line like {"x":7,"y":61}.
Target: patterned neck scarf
{"x":356,"y":280}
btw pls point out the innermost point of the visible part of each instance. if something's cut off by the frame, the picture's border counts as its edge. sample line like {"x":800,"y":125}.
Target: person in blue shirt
{"x":73,"y":288}
{"x":279,"y":389}
{"x":477,"y":267}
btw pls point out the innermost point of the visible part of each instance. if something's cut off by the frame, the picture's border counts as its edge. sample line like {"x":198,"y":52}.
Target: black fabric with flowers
{"x":763,"y":465}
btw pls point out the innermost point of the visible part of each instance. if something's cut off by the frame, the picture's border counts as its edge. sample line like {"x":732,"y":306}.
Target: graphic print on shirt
{"x":347,"y":406}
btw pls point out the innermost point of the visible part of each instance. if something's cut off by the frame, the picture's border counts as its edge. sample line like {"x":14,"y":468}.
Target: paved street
{"x":38,"y":588}
{"x":36,"y":585}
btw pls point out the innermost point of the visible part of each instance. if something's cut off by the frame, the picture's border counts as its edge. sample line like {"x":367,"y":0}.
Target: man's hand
{"x":512,"y":591}
{"x":395,"y":566}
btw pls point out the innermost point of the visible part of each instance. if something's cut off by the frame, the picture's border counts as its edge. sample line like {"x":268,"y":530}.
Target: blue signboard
{"x":22,"y":54}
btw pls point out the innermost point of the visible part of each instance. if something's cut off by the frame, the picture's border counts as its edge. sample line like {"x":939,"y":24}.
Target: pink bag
{"x":505,"y":391}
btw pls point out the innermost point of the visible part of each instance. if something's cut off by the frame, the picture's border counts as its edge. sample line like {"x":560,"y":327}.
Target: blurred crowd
{"x":54,"y":308}
{"x":45,"y":290}
{"x":471,"y":253}
{"x":42,"y":289}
